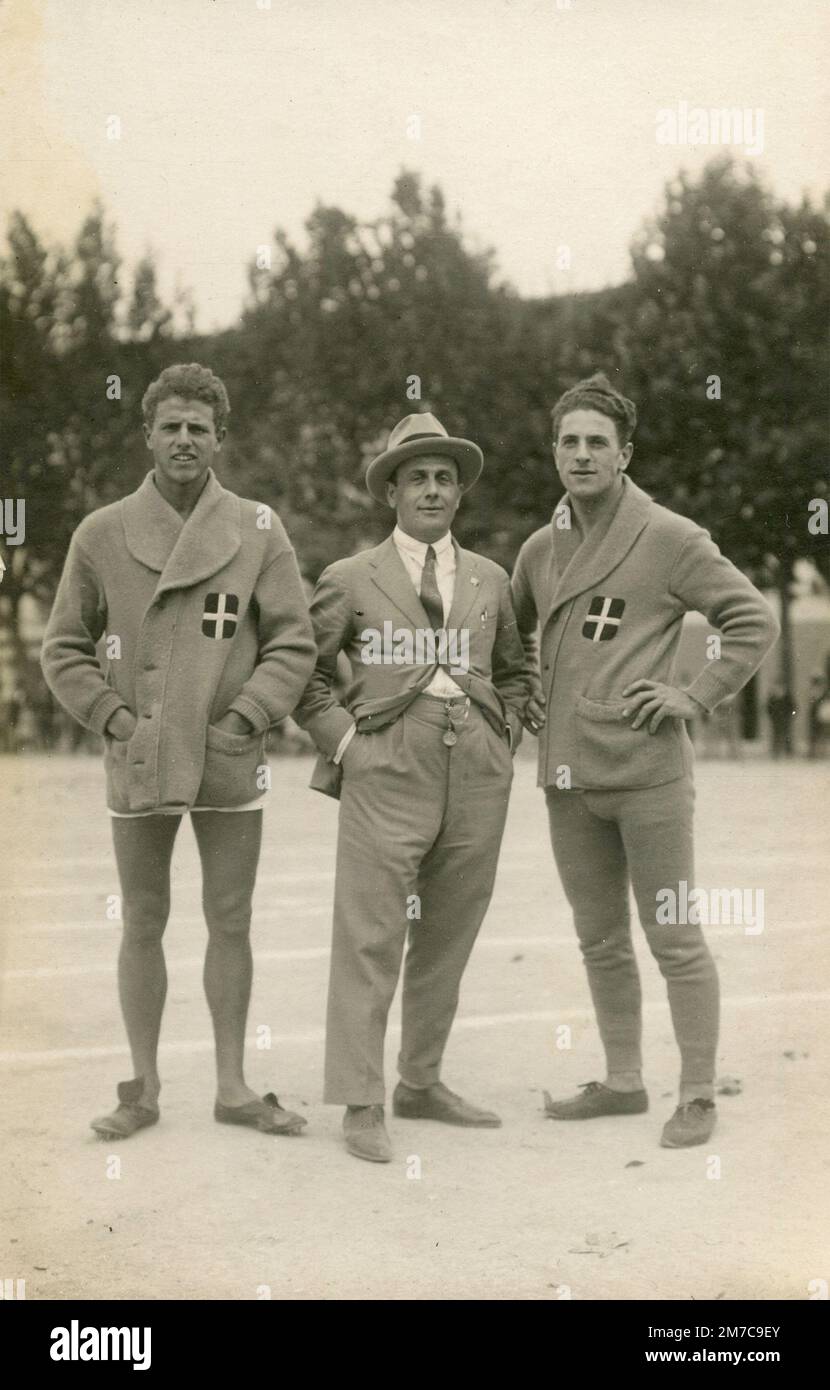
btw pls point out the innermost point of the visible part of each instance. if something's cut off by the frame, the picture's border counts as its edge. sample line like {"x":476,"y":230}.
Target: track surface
{"x":536,"y":1210}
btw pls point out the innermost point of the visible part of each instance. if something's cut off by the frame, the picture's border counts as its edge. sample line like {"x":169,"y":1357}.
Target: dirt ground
{"x":536,"y":1210}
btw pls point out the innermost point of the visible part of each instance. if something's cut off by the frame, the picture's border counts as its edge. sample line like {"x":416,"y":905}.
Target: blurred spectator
{"x":36,"y":729}
{"x":818,"y":731}
{"x":722,"y":730}
{"x":782,"y":709}
{"x":9,"y":720}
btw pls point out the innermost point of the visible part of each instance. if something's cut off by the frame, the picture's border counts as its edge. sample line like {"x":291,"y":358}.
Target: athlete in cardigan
{"x":208,"y":642}
{"x":607,"y":584}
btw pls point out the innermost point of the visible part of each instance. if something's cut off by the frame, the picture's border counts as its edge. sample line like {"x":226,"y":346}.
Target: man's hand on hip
{"x":657,"y":701}
{"x":348,"y":751}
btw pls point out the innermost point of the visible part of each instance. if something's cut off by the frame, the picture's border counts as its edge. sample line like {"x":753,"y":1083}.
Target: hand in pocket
{"x":121,"y":726}
{"x":349,"y":757}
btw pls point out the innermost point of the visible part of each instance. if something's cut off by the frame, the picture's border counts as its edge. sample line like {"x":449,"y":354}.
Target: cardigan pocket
{"x":612,"y":755}
{"x":115,"y":768}
{"x":232,"y":765}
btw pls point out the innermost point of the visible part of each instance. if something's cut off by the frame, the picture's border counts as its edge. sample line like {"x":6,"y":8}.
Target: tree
{"x":147,"y":317}
{"x":30,"y":293}
{"x":75,"y":370}
{"x":728,"y":356}
{"x":370,"y":322}
{"x":719,"y":335}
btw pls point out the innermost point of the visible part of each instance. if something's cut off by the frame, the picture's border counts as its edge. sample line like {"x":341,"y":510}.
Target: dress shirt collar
{"x":418,"y":549}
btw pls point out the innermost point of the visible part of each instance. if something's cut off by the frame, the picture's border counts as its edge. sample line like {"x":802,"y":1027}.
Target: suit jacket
{"x":209,"y":616}
{"x":360,"y":594}
{"x":609,"y":609}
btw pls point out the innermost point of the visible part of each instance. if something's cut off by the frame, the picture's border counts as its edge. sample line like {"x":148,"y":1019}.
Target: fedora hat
{"x":422,"y":434}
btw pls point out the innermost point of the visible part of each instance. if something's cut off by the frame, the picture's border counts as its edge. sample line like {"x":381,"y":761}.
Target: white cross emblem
{"x":603,"y":619}
{"x":220,"y":616}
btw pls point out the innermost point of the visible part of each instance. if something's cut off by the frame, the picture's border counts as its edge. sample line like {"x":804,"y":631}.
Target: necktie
{"x":430,"y":595}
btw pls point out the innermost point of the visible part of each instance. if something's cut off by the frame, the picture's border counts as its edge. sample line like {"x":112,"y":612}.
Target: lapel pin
{"x":474,"y":580}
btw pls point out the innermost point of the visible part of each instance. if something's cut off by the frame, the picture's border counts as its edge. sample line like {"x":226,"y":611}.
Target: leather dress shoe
{"x":439,"y":1103}
{"x":130,"y":1114}
{"x":596,"y":1100}
{"x":690,"y":1124}
{"x":266,"y":1115}
{"x":365,"y":1133}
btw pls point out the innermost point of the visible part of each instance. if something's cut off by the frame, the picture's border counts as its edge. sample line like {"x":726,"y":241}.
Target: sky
{"x":538,"y":118}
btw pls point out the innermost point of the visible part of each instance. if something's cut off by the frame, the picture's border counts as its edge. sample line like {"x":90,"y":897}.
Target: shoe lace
{"x":590,"y":1087}
{"x":699,"y":1106}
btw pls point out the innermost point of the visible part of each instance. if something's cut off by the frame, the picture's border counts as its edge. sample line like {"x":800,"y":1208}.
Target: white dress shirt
{"x":413,"y":554}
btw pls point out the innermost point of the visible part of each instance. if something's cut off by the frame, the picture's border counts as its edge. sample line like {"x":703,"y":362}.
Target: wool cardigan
{"x":201,"y":616}
{"x":608,"y":611}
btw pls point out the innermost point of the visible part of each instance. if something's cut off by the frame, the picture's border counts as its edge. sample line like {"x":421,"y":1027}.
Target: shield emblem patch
{"x":220,"y":616}
{"x":603,"y":618}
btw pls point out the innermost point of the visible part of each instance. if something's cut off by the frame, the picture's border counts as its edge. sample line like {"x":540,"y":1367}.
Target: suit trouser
{"x":600,"y":838}
{"x":416,"y":818}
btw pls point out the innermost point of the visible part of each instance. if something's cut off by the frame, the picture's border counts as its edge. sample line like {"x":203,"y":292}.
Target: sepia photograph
{"x":415,"y":664}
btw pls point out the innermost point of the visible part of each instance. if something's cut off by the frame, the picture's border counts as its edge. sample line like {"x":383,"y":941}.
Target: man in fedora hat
{"x":420,"y":754}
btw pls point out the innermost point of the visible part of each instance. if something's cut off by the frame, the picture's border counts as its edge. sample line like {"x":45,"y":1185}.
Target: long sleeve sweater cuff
{"x":258,"y":718}
{"x":103,"y":710}
{"x":708,"y":690}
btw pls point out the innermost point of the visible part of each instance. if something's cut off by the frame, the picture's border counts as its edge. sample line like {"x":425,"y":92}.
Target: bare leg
{"x":143,"y":850}
{"x":229,"y":844}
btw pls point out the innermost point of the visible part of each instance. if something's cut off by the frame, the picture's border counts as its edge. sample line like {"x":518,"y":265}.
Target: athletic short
{"x":256,"y":805}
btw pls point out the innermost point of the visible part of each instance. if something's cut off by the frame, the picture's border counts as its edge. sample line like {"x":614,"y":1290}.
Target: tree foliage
{"x":369,"y":321}
{"x":727,"y":352}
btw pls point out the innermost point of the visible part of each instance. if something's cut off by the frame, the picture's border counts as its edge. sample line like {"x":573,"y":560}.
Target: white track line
{"x":106,"y":857}
{"x":298,"y":907}
{"x":289,"y":953}
{"x":306,"y":876}
{"x":185,"y":885}
{"x":293,"y":907}
{"x":45,"y":972}
{"x":470,"y":1023}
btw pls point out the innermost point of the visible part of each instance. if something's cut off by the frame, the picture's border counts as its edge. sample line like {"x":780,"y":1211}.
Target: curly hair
{"x":192,"y":382}
{"x":596,"y":393}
